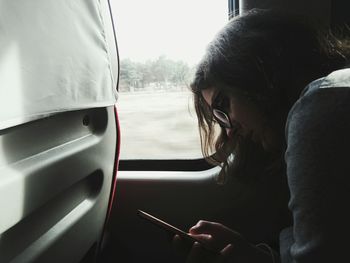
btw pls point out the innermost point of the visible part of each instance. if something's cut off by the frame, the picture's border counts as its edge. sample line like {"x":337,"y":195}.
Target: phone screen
{"x":168,"y":227}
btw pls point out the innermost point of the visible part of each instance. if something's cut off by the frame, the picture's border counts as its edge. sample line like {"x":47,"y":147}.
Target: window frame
{"x":233,"y":8}
{"x":189,"y":165}
{"x":164,"y":165}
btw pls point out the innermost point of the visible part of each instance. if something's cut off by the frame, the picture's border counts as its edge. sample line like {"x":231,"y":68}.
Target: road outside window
{"x":159,"y":48}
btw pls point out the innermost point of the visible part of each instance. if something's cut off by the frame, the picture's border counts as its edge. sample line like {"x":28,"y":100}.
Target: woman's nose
{"x":229,"y":132}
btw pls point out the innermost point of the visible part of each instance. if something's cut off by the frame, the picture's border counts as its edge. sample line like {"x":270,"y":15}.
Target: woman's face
{"x":244,"y":116}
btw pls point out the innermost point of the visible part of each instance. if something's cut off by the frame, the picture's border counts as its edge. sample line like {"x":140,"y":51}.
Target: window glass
{"x":160,"y":42}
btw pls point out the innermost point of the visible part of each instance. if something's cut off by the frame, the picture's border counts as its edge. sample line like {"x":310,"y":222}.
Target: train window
{"x":159,"y":46}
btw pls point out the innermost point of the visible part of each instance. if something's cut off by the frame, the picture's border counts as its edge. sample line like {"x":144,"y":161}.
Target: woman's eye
{"x":222,"y":102}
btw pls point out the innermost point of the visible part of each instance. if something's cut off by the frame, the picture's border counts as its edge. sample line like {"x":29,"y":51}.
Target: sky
{"x":178,"y":29}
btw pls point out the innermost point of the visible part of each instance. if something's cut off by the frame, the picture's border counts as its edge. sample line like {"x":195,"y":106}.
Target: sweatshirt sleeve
{"x":318,"y":171}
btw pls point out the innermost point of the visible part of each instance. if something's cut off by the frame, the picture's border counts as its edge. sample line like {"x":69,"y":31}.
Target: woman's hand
{"x":230,"y":245}
{"x":215,"y":235}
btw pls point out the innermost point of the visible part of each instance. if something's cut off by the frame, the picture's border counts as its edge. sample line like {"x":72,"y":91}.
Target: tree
{"x":129,"y":73}
{"x":162,"y":71}
{"x":180,"y":74}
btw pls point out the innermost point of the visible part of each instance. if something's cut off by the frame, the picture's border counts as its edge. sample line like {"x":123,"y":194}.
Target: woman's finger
{"x":227,"y":251}
{"x":225,"y":254}
{"x":182,"y":247}
{"x":198,"y":254}
{"x":177,"y":242}
{"x":195,"y":255}
{"x":206,"y":238}
{"x":204,"y":227}
{"x":215,"y":229}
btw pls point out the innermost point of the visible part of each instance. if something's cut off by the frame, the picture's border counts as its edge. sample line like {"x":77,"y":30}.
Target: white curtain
{"x":55,"y":56}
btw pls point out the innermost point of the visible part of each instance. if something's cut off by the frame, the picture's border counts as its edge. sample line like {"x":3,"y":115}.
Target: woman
{"x":252,"y":83}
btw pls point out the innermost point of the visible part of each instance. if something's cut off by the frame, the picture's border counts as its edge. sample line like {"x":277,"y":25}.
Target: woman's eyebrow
{"x":216,"y":97}
{"x":221,"y":100}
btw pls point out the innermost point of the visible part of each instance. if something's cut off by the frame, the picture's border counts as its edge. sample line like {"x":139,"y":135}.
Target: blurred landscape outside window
{"x":160,"y":42}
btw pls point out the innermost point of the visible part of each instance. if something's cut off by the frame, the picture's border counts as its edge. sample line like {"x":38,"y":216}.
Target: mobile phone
{"x":172,"y":229}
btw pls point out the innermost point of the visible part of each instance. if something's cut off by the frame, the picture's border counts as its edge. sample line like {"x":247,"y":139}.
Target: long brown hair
{"x":268,"y":58}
